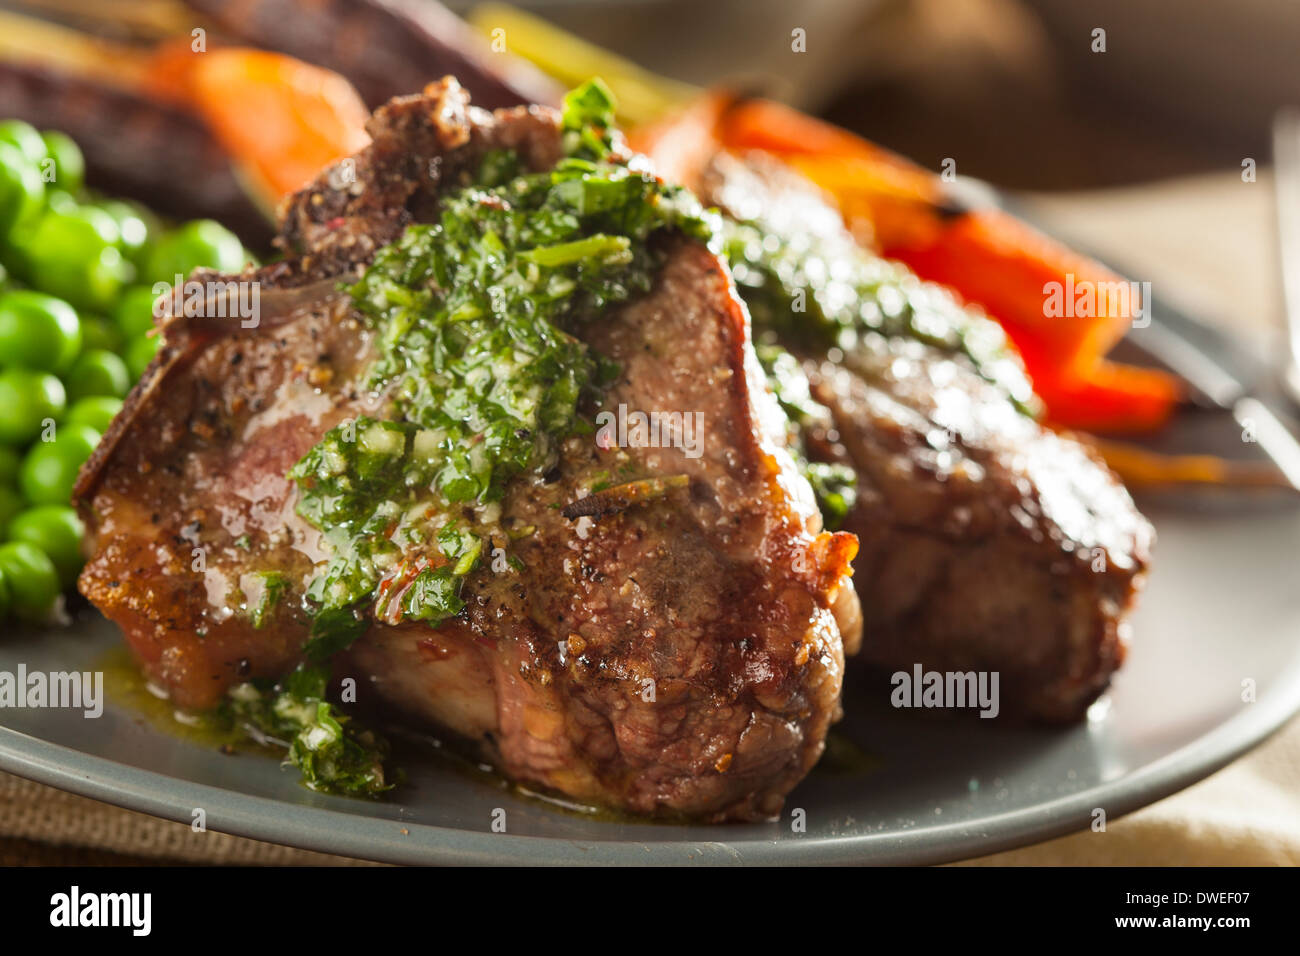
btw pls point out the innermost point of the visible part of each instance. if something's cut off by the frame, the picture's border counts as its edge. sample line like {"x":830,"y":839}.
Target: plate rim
{"x":383,"y":840}
{"x":364,"y":837}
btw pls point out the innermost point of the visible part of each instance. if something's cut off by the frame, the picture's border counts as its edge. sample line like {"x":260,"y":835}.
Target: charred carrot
{"x":775,"y":128}
{"x":1024,"y":279}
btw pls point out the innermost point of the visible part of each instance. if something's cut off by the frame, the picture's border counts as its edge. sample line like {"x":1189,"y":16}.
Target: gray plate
{"x":1221,"y":608}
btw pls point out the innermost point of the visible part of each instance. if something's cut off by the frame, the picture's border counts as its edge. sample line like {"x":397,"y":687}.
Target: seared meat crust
{"x":684,"y":655}
{"x":987,"y":542}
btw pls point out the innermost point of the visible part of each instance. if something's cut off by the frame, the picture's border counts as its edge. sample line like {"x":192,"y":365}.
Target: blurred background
{"x":1011,"y":88}
{"x":1015,"y":90}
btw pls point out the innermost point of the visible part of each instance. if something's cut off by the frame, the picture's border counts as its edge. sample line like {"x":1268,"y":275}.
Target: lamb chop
{"x":987,"y":541}
{"x":654,"y":626}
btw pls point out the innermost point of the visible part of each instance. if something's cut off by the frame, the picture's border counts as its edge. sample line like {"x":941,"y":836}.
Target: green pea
{"x":93,"y":284}
{"x":132,"y":227}
{"x":11,"y":504}
{"x":98,"y":372}
{"x":38,"y":331}
{"x":32,"y":578}
{"x":98,"y":332}
{"x":22,"y":194}
{"x":24,"y":137}
{"x":203,"y":242}
{"x":9,"y":459}
{"x":69,"y":166}
{"x":140,"y":353}
{"x":50,"y":469}
{"x":134,"y":311}
{"x":98,"y":412}
{"x":27,"y":401}
{"x":73,"y":254}
{"x":57,"y":531}
{"x":60,"y":200}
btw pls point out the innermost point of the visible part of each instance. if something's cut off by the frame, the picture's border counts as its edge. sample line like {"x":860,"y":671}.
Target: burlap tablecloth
{"x":1206,"y":244}
{"x":39,"y":824}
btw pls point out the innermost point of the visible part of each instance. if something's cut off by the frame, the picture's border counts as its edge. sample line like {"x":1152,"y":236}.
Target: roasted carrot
{"x":1063,"y":311}
{"x":1143,"y":469}
{"x":1111,"y":398}
{"x":642,"y":96}
{"x":280,"y":119}
{"x":1022,"y":278}
{"x":775,"y":128}
{"x":682,"y":145}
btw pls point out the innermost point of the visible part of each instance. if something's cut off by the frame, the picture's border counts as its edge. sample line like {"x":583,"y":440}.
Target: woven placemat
{"x":1244,"y":815}
{"x":42,"y":825}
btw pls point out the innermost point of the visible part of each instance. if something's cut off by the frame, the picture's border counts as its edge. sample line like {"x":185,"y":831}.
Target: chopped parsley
{"x":817,"y":293}
{"x":334,"y":755}
{"x":820,"y":293}
{"x":834,"y":485}
{"x":474,"y":318}
{"x":269,"y":588}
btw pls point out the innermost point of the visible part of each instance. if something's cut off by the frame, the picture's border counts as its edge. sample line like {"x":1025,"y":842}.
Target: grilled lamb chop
{"x":987,"y":542}
{"x":678,"y":654}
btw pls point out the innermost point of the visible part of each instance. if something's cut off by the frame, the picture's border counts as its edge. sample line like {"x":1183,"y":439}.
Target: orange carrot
{"x":1142,"y":468}
{"x":1021,"y":277}
{"x":1111,"y":398}
{"x":770,"y":126}
{"x":280,"y":119}
{"x":682,"y":145}
{"x":989,"y":258}
{"x":1063,"y":311}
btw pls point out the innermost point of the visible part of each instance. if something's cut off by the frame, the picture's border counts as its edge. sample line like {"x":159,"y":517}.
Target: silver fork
{"x":1286,"y":165}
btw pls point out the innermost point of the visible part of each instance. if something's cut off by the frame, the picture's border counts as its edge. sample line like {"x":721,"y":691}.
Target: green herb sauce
{"x":815,"y":293}
{"x":835,"y":486}
{"x":333,"y":755}
{"x":818,"y":293}
{"x":291,"y":718}
{"x":474,"y":318}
